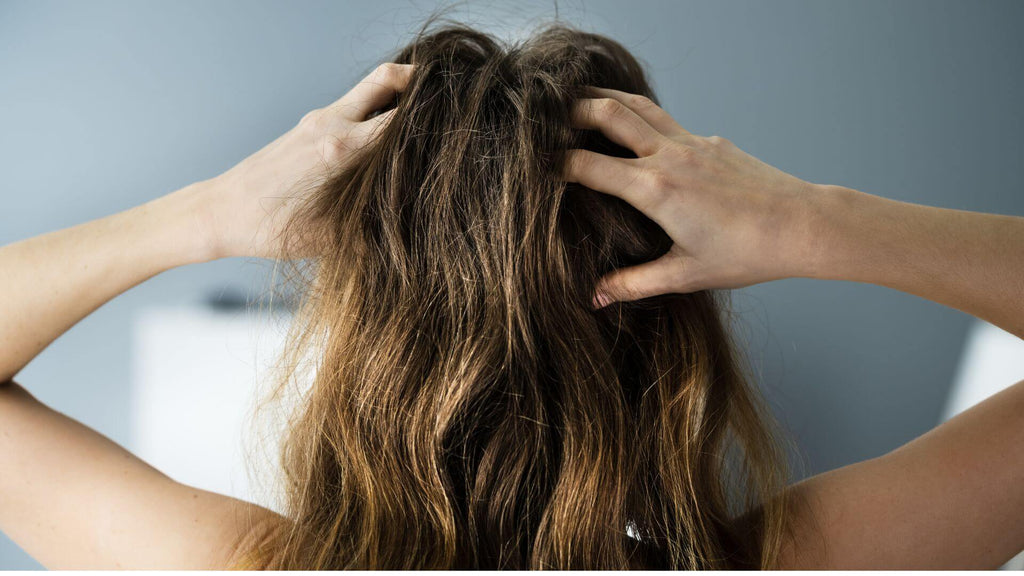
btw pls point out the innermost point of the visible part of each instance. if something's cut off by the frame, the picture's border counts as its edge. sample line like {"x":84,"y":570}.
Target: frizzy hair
{"x":470,"y":409}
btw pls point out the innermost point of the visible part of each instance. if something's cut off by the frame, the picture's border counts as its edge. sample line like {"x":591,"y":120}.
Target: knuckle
{"x":333,"y":149}
{"x":610,"y":108}
{"x":574,"y":162}
{"x":718,"y":142}
{"x":313,"y":119}
{"x":687,"y":155}
{"x":387,"y":72}
{"x":659,"y":180}
{"x":640,"y":101}
{"x":577,"y":163}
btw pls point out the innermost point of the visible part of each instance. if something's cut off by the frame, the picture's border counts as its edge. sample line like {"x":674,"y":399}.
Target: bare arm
{"x":737,"y":221}
{"x":73,"y":499}
{"x":70,"y":497}
{"x":966,"y":260}
{"x":953,"y":498}
{"x":54,"y":280}
{"x":950,"y":499}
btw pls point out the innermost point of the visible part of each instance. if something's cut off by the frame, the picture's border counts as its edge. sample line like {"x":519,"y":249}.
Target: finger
{"x":643,"y":107}
{"x":608,"y":174}
{"x":365,"y":131}
{"x":373,"y":92}
{"x":660,"y":276}
{"x":618,"y":123}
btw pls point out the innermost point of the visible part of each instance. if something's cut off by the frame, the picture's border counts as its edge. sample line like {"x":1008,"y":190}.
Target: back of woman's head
{"x":470,"y":408}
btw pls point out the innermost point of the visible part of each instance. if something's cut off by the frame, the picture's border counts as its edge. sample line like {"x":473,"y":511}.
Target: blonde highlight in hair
{"x":469,"y":407}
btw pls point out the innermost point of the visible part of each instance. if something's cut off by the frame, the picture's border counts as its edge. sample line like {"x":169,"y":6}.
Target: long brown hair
{"x":469,"y":408}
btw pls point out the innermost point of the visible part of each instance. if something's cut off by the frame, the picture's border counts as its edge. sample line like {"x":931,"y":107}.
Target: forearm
{"x":969,"y":261}
{"x":50,"y":282}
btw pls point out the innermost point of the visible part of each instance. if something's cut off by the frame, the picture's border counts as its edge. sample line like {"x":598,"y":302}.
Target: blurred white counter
{"x":197,"y":375}
{"x":992,"y":360}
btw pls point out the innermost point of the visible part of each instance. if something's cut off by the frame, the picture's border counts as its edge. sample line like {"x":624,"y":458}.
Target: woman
{"x":520,"y":360}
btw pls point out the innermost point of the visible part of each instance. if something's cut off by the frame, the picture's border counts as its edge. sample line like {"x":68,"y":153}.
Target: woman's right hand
{"x":735,"y":220}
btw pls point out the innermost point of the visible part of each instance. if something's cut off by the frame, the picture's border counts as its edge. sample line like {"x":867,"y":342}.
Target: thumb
{"x":641,"y":281}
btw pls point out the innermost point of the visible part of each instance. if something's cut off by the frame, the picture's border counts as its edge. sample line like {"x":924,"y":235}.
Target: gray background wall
{"x":104,"y":105}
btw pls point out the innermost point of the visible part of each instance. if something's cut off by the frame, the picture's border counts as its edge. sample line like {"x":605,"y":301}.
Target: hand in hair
{"x":735,"y":220}
{"x":250,"y":203}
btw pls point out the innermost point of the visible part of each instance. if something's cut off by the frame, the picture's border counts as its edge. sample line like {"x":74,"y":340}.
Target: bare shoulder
{"x":72,"y":498}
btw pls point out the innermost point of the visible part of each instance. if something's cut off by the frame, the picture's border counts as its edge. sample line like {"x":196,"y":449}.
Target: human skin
{"x":952,"y":498}
{"x":737,"y":221}
{"x":70,"y":497}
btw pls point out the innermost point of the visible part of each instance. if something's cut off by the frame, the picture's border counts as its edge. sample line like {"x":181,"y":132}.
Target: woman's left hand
{"x":246,"y":207}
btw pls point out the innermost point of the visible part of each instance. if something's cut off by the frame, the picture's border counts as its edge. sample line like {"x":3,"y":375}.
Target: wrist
{"x":809,"y":210}
{"x":186,"y":215}
{"x":841,"y":226}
